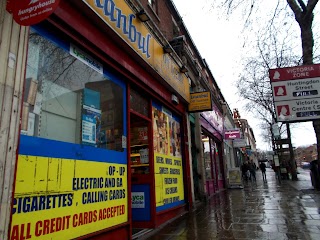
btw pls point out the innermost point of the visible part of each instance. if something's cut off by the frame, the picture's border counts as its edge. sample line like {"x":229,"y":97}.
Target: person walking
{"x":244,"y":169}
{"x":263,"y":170}
{"x":252,"y":169}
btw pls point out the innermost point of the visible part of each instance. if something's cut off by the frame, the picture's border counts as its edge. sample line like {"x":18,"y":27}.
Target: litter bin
{"x":315,"y":174}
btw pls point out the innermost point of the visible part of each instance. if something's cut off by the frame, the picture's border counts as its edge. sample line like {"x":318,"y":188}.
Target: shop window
{"x":207,"y":156}
{"x":67,"y":100}
{"x":168,"y":165}
{"x":138,"y":103}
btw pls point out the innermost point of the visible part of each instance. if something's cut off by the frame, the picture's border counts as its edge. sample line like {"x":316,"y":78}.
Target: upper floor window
{"x":152,"y":4}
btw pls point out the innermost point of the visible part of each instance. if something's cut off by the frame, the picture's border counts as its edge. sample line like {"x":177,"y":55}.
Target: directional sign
{"x":296,"y":92}
{"x":298,"y":110}
{"x":296,"y":89}
{"x":292,"y":73}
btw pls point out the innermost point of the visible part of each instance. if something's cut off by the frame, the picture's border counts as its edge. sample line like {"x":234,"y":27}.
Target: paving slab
{"x":261,"y":210}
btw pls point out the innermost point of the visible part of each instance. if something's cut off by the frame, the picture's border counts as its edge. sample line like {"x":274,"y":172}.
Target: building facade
{"x":96,"y":130}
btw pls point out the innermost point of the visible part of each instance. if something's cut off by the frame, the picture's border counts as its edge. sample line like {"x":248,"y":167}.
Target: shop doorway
{"x":141,"y":165}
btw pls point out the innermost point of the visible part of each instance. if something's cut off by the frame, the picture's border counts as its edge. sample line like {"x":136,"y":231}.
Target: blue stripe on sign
{"x":170,"y":205}
{"x":35,"y":146}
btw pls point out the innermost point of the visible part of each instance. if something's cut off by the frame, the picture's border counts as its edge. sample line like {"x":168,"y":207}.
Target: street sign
{"x":238,"y":143}
{"x":282,"y":141}
{"x":296,"y":89}
{"x":291,"y":73}
{"x":275,"y":130}
{"x":296,"y":93}
{"x":282,"y":150}
{"x":298,"y":110}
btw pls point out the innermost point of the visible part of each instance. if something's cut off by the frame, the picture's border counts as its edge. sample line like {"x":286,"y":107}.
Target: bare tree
{"x":299,"y":11}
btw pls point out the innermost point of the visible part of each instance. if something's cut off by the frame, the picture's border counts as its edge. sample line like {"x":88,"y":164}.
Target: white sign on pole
{"x":296,"y":92}
{"x":298,"y":109}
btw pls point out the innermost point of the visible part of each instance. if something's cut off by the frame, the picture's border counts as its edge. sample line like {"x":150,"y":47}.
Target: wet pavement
{"x":258,"y":211}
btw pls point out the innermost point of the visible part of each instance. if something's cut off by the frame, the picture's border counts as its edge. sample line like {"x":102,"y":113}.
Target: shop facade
{"x":212,"y":142}
{"x":104,"y":123}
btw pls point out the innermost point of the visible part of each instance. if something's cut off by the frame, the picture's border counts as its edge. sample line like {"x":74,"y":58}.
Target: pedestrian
{"x":252,"y":169}
{"x":244,"y":169}
{"x":263,"y":170}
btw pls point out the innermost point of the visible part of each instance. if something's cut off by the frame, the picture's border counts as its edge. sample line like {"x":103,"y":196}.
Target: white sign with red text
{"x":296,"y":92}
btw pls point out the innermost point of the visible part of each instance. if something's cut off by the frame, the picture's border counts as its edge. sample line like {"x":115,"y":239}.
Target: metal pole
{"x":292,"y":161}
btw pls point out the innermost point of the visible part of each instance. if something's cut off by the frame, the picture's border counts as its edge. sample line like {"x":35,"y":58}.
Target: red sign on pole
{"x":292,"y":73}
{"x":29,"y":12}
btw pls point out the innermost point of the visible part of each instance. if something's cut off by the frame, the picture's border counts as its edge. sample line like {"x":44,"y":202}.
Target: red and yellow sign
{"x":167,"y":161}
{"x":120,"y":17}
{"x":200,"y":101}
{"x":65,"y":199}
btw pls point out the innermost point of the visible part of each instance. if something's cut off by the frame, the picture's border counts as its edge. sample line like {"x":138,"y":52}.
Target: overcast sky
{"x":221,"y":43}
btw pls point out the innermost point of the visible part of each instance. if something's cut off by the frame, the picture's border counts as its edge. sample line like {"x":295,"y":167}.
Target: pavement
{"x":290,"y":210}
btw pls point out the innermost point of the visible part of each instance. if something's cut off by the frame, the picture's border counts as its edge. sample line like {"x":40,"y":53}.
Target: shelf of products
{"x":139,"y":159}
{"x":140,"y":165}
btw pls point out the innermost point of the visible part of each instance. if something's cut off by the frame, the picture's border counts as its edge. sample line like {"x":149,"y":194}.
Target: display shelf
{"x":135,"y":155}
{"x":140,"y":165}
{"x":140,"y":145}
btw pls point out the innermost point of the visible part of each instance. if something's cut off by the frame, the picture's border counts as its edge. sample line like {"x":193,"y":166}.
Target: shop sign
{"x":29,"y":12}
{"x":232,"y":134}
{"x":59,"y":198}
{"x":168,"y":165}
{"x":200,"y":101}
{"x":239,"y":143}
{"x":122,"y":19}
{"x":137,"y":200}
{"x":296,"y":92}
{"x":86,"y":59}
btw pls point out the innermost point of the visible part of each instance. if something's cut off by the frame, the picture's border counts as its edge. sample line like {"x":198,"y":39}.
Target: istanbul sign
{"x":296,"y":92}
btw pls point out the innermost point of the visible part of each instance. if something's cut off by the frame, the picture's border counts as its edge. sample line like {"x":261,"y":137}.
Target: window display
{"x":67,"y":97}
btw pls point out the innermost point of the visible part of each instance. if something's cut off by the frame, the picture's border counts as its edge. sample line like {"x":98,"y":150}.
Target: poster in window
{"x":91,"y":125}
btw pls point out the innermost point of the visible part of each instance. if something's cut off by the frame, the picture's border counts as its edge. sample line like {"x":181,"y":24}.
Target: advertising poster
{"x":167,"y":160}
{"x":234,"y":177}
{"x":91,"y":125}
{"x":64,"y":199}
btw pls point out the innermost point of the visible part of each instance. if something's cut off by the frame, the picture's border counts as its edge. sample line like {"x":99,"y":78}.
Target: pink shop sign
{"x":232,"y":134}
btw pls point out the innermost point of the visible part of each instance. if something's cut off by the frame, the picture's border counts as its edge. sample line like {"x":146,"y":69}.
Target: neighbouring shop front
{"x":212,"y":142}
{"x":101,"y":152}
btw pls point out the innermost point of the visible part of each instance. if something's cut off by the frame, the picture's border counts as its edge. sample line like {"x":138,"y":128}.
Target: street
{"x":261,"y":211}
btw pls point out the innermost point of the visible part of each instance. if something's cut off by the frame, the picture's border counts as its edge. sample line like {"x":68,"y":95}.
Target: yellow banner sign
{"x":167,"y":160}
{"x":169,"y":181}
{"x":119,"y":16}
{"x":66,"y":199}
{"x":200,"y":101}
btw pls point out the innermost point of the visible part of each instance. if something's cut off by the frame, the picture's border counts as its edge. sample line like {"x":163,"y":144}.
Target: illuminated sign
{"x":120,"y":17}
{"x":65,"y":199}
{"x":200,"y":101}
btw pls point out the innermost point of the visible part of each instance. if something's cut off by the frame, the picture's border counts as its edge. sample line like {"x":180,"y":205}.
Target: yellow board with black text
{"x":64,"y":199}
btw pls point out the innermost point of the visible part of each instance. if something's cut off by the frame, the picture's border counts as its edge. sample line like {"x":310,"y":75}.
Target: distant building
{"x":250,"y":150}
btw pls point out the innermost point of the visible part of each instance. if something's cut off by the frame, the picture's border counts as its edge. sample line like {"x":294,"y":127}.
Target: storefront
{"x":101,"y":147}
{"x":212,"y":142}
